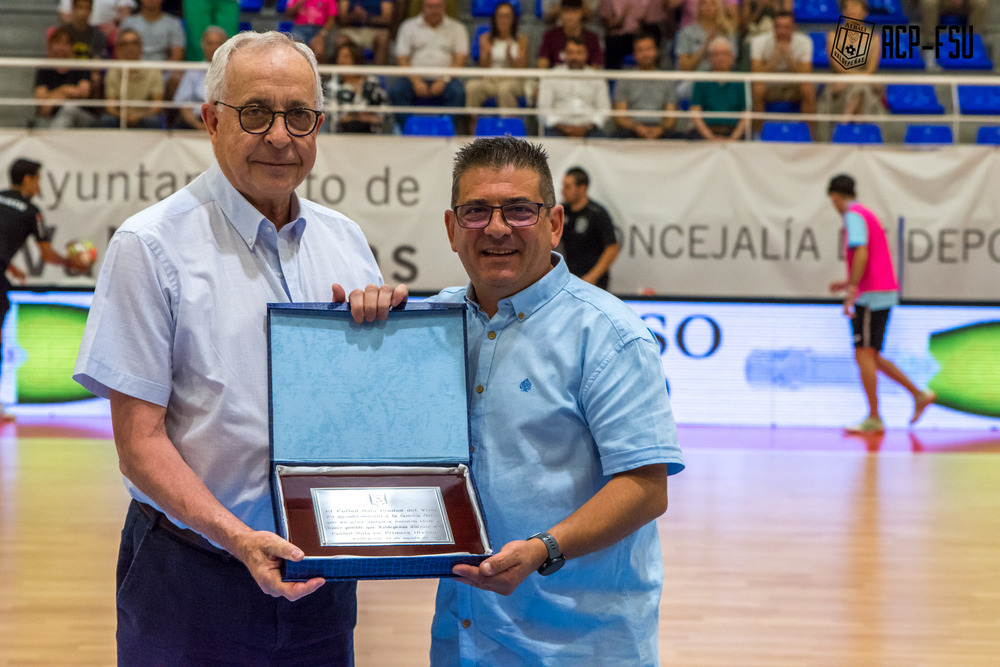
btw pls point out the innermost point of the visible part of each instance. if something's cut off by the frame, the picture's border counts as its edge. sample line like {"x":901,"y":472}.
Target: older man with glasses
{"x":176,"y":340}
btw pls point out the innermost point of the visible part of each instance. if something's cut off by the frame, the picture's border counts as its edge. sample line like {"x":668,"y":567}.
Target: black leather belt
{"x":189,"y":537}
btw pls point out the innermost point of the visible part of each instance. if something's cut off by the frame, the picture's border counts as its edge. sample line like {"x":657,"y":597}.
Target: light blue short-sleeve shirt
{"x":572,"y":393}
{"x":179,"y":319}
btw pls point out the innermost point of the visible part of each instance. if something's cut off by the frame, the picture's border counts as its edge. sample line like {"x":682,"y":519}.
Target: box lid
{"x":391,"y":391}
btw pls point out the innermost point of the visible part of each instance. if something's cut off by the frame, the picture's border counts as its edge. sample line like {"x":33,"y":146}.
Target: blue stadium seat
{"x":980,"y":59}
{"x":928,"y":134}
{"x":281,"y":6}
{"x":474,"y":45}
{"x":285,"y":26}
{"x":429,"y":126}
{"x":816,"y":11}
{"x":251,"y":6}
{"x":821,"y":57}
{"x":245,"y":26}
{"x":914,"y":59}
{"x":859,"y":133}
{"x":789,"y":132}
{"x":979,"y":100}
{"x":988,"y":135}
{"x":494,"y":126}
{"x":484,"y":8}
{"x":905,"y":98}
{"x":886,"y":11}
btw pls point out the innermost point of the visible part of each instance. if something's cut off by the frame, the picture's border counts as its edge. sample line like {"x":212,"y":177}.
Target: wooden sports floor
{"x":781,"y":547}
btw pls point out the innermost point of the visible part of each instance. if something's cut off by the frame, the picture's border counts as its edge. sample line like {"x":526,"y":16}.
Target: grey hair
{"x":721,"y":40}
{"x":215,"y":81}
{"x":499,"y":153}
{"x":214,"y":29}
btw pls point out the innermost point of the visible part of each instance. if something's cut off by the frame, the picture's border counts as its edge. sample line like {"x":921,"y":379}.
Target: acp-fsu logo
{"x":852,"y":42}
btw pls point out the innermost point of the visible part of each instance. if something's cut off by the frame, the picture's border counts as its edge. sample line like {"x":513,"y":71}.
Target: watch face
{"x":551,"y":566}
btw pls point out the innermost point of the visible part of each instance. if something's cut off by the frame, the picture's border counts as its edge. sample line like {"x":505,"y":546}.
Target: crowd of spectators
{"x":640,"y":35}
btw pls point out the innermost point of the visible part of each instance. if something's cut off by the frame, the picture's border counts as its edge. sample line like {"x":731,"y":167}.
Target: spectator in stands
{"x":689,"y":11}
{"x":622,"y":20}
{"x":192,"y":86}
{"x":645,"y":95}
{"x":366,"y":23}
{"x":852,"y":99}
{"x":87,"y":41}
{"x":552,"y":50}
{"x":144,"y":85}
{"x":312,"y":22}
{"x":162,"y":38}
{"x":931,"y":12}
{"x":718,"y":96}
{"x":782,"y":50}
{"x":578,"y":107}
{"x":200,"y":14}
{"x":356,"y":90}
{"x":503,"y":46}
{"x":694,"y":38}
{"x":551,"y":15}
{"x":58,"y":84}
{"x":757,"y":16}
{"x":432,"y":39}
{"x":105,"y":14}
{"x":589,"y":243}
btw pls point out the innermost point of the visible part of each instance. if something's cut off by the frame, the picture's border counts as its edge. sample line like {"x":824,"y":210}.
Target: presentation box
{"x":369,"y":433}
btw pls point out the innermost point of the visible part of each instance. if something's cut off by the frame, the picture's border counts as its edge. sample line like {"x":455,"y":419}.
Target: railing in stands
{"x":955,"y":119}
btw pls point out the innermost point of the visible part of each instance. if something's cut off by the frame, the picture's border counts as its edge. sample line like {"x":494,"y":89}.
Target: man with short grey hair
{"x":176,"y":339}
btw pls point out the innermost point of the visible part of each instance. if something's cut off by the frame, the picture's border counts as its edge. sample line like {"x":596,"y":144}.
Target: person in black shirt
{"x":19,"y":219}
{"x":588,"y":242}
{"x":54,"y":85}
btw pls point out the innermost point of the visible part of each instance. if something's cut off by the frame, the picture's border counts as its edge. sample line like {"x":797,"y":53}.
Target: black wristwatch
{"x":555,"y":559}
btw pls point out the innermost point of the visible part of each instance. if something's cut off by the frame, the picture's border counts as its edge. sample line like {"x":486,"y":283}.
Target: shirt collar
{"x":534,"y":296}
{"x":240,"y":213}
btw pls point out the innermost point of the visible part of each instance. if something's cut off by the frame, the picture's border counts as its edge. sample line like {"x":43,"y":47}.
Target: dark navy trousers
{"x":179,"y":604}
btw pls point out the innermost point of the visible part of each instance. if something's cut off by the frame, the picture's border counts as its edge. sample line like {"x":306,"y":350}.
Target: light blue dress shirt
{"x":179,"y":320}
{"x":572,"y":392}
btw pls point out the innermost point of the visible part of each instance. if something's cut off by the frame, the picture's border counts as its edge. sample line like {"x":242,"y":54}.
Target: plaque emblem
{"x":852,"y":42}
{"x":525,"y":384}
{"x":377,"y":499}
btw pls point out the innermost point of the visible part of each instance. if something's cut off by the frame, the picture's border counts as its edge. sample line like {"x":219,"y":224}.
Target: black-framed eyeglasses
{"x":258,"y":119}
{"x":515,"y":214}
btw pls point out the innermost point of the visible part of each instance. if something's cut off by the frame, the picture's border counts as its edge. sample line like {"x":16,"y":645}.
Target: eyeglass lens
{"x":258,"y":119}
{"x":521,"y":214}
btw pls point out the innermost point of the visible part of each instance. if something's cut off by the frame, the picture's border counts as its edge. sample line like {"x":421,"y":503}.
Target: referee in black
{"x":19,"y":219}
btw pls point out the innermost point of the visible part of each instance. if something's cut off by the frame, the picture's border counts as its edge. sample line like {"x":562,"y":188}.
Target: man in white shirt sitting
{"x":576,"y":107}
{"x":431,"y":39}
{"x":782,"y":50}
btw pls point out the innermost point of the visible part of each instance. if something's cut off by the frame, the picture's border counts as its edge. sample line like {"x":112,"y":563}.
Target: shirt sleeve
{"x":128,"y":339}
{"x":802,"y":49}
{"x":459,"y":40}
{"x":686,"y":44}
{"x":42,"y":233}
{"x":698,"y":95}
{"x":606,"y":229}
{"x":177,"y":37}
{"x":403,"y":40}
{"x":628,"y":410}
{"x":857,"y":229}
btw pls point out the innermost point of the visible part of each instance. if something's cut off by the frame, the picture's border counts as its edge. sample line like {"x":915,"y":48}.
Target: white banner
{"x":744,"y":220}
